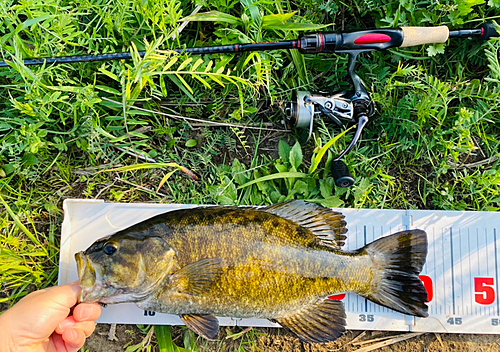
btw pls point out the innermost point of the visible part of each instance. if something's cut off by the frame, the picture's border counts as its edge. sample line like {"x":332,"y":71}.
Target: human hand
{"x":45,"y":321}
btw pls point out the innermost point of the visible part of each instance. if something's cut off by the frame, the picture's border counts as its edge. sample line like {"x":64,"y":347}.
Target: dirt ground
{"x":277,"y":340}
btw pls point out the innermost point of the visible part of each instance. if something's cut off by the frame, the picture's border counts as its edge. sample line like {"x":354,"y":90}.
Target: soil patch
{"x":278,"y":340}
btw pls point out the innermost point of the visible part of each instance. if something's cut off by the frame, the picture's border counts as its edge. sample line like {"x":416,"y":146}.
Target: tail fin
{"x":396,"y":285}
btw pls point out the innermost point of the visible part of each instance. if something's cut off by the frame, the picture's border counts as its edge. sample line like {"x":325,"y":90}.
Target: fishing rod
{"x":354,"y":106}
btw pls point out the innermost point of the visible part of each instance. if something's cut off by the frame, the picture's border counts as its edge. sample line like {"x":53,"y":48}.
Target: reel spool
{"x":340,"y":108}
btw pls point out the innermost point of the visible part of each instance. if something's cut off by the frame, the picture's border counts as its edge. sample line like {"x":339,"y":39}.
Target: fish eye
{"x":110,"y":248}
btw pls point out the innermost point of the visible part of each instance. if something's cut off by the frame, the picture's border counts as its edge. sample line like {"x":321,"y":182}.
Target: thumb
{"x":65,"y":295}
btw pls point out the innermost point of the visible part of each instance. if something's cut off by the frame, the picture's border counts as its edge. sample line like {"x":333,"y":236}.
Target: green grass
{"x":433,"y":143}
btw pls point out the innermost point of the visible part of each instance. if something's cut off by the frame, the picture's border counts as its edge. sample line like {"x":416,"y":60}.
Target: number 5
{"x":485,"y":294}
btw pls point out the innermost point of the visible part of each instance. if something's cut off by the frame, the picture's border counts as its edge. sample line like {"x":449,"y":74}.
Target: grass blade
{"x":274,"y":177}
{"x":21,"y":226}
{"x":322,"y":151}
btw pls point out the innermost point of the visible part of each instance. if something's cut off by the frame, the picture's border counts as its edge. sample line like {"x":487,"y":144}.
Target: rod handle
{"x":424,"y":35}
{"x":488,"y":31}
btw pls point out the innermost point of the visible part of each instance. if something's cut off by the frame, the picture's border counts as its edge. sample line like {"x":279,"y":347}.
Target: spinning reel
{"x":353,"y":107}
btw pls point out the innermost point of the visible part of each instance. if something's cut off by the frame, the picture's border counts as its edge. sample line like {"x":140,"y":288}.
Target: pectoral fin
{"x":206,"y":326}
{"x":198,"y":277}
{"x":320,"y":322}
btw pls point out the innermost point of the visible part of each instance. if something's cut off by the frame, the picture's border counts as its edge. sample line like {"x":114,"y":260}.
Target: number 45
{"x":454,"y":321}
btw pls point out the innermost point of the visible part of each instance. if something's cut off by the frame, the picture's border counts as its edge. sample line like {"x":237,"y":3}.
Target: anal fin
{"x":206,"y":326}
{"x":323,"y":321}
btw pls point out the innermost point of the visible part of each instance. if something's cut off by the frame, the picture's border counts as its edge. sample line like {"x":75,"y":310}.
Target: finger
{"x":87,"y":327}
{"x":74,"y":339}
{"x":66,"y":324}
{"x":87,"y":312}
{"x":57,"y":343}
{"x":65,"y":296}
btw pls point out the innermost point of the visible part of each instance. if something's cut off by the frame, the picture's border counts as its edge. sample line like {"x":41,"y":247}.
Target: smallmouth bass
{"x":279,"y":263}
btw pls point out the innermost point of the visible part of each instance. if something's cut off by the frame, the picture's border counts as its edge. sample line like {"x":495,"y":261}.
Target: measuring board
{"x":461,"y":274}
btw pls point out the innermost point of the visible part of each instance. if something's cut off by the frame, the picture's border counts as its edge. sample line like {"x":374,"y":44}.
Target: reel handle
{"x":341,"y":174}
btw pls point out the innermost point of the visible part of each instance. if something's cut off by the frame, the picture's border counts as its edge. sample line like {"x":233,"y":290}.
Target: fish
{"x":280,"y":262}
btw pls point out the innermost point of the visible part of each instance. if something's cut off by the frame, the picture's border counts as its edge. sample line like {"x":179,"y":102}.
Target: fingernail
{"x":65,"y":324}
{"x":84,"y":313}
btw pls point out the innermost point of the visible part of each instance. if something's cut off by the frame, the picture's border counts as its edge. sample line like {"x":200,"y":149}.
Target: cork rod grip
{"x":424,"y":35}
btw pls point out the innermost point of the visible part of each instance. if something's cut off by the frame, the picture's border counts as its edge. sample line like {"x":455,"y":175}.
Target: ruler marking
{"x":478,"y":264}
{"x":434,"y":252}
{"x":496,"y":268}
{"x":487,"y":251}
{"x":444,"y":270}
{"x":452,"y":272}
{"x":470,"y":269}
{"x":364,"y":244}
{"x":487,"y":309}
{"x":461,"y":265}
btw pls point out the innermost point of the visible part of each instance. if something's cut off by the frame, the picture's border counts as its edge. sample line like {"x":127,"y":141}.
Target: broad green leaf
{"x":268,"y":20}
{"x":215,"y":78}
{"x":331,"y":202}
{"x":274,"y":177}
{"x":326,"y":187}
{"x":238,"y":171}
{"x":139,"y":135}
{"x":284,"y":151}
{"x":213,"y":16}
{"x":70,"y":89}
{"x":296,"y":156}
{"x":300,"y":187}
{"x":191,"y":143}
{"x":205,"y":83}
{"x":434,"y":49}
{"x":165,"y":342}
{"x":281,"y":168}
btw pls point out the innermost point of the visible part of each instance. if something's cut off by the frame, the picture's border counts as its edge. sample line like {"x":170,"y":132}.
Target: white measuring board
{"x":461,"y":273}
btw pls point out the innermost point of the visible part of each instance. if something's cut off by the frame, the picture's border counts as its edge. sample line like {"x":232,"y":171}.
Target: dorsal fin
{"x":327,"y":225}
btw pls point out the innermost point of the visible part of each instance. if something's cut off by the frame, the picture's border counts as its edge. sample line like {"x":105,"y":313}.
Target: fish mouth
{"x":89,"y":283}
{"x":94,"y":287}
